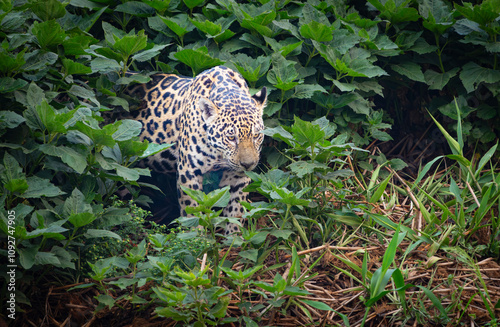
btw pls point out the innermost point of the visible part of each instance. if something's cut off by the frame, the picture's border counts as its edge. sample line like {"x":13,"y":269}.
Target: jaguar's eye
{"x":231,"y":138}
{"x":256,"y":135}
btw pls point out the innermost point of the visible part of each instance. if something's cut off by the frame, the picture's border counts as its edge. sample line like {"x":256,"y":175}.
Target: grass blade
{"x":380,"y":190}
{"x":325,"y":307}
{"x":487,"y":156}
{"x":390,"y":253}
{"x":454,"y":145}
{"x":435,"y":301}
{"x":424,"y":171}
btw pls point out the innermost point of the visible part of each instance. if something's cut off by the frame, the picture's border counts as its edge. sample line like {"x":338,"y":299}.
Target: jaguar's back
{"x":160,"y":110}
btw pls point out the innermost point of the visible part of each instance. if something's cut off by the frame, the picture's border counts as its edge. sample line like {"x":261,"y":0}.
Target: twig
{"x":203,"y":262}
{"x":355,"y":177}
{"x":472,"y":192}
{"x":332,"y":247}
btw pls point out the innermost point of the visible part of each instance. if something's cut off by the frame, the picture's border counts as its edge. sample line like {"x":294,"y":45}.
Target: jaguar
{"x":214,"y":123}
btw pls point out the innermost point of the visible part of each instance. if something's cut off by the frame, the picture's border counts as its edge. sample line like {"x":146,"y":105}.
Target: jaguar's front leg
{"x":237,"y":181}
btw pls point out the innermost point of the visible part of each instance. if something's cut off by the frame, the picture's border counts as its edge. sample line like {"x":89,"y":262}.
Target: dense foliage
{"x":350,"y":70}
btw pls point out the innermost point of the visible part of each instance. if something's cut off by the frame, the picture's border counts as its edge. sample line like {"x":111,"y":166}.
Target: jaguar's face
{"x":235,"y":130}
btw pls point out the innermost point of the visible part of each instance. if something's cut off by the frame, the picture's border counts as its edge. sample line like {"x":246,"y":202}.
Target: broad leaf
{"x":198,"y":59}
{"x":411,"y":70}
{"x":472,"y":75}
{"x":283,"y":74}
{"x":38,"y":187}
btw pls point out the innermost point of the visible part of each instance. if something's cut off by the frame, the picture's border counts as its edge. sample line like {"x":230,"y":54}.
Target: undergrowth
{"x":350,"y":70}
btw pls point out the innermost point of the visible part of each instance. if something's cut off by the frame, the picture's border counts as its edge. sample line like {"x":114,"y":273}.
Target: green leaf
{"x":150,"y":53}
{"x":9,"y":84}
{"x":6,"y":5}
{"x":193,"y":3}
{"x":49,"y":34}
{"x":317,"y":305}
{"x":307,"y":91}
{"x":302,"y":168}
{"x":75,"y":203}
{"x":344,"y":87}
{"x":258,"y":24}
{"x":219,"y":310}
{"x":130,"y":44}
{"x":472,"y":75}
{"x":47,"y":258}
{"x":454,"y":145}
{"x":252,"y":255}
{"x":129,"y":174}
{"x":69,"y":156}
{"x":482,"y":14}
{"x":357,"y":63}
{"x":12,"y":174}
{"x":135,"y":8}
{"x":77,"y":44}
{"x":105,"y":299}
{"x":16,"y":185}
{"x":81,"y":219}
{"x":284,"y":234}
{"x":48,"y":9}
{"x":104,"y":65}
{"x":411,"y":70}
{"x":52,"y":120}
{"x":390,"y":252}
{"x":311,"y":14}
{"x":93,"y":233}
{"x":27,"y":256}
{"x":306,"y":133}
{"x":179,"y":24}
{"x":127,"y":129}
{"x":110,"y":54}
{"x":380,"y":190}
{"x":198,"y":59}
{"x":10,"y":63}
{"x":154,"y":148}
{"x":38,"y":60}
{"x":396,"y":12}
{"x":295,"y":291}
{"x":98,"y":136}
{"x":84,"y":93}
{"x":316,"y":31}
{"x":283,"y":73}
{"x":486,"y":157}
{"x":252,"y":69}
{"x":53,"y":231}
{"x":343,"y":41}
{"x":170,"y":312}
{"x":438,"y":17}
{"x":435,"y":301}
{"x":265,"y":286}
{"x":460,"y":158}
{"x":9,"y":119}
{"x":380,"y":135}
{"x":437,"y":81}
{"x":38,"y":187}
{"x":205,"y":25}
{"x":72,"y":67}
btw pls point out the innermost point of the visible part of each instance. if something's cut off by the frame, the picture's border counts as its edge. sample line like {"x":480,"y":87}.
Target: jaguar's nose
{"x":248,"y":165}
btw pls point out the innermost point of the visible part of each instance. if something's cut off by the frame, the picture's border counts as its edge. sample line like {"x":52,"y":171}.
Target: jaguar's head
{"x":234,"y":128}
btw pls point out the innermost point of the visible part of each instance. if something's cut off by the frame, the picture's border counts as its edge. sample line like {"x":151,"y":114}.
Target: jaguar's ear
{"x":260,"y":98}
{"x":208,"y":110}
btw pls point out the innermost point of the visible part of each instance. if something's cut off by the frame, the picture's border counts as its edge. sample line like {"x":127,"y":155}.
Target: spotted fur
{"x":215,"y":124}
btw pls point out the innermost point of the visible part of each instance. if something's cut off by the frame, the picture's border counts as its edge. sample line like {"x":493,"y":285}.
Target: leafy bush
{"x":58,"y":167}
{"x":360,"y":66}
